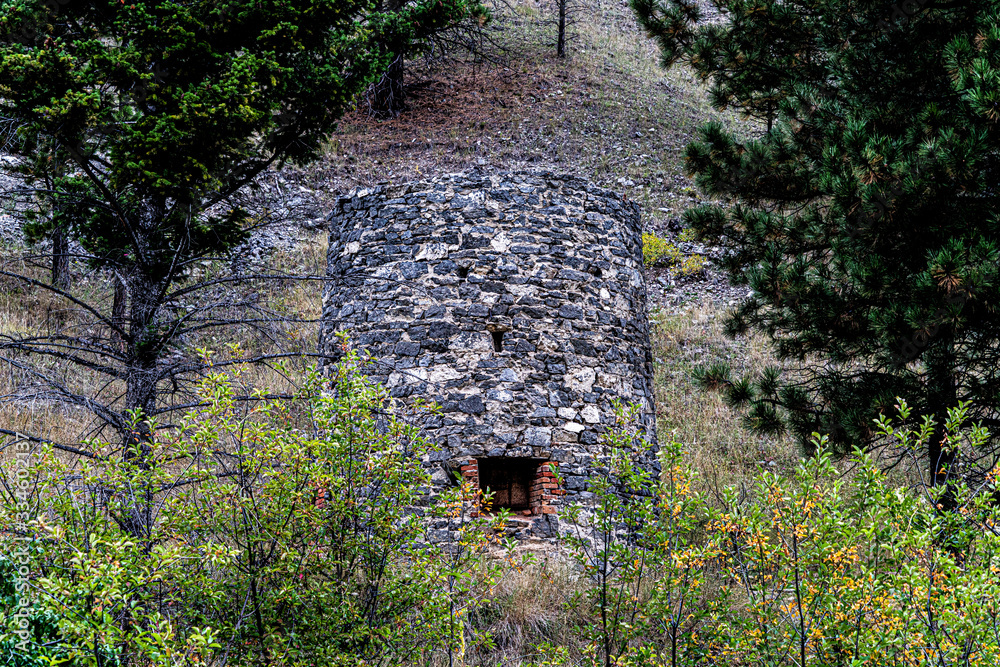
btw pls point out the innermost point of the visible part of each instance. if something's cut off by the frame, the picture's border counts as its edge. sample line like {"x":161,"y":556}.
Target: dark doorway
{"x":497,"y":341}
{"x":510,"y":480}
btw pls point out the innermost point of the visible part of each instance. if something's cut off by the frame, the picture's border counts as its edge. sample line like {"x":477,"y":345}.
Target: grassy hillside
{"x":607,"y":112}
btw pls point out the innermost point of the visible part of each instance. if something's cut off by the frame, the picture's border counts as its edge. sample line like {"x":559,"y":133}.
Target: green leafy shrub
{"x":94,"y":604}
{"x":816,"y":568}
{"x":687,"y":235}
{"x":838,"y":571}
{"x":639,"y":546}
{"x":658,"y":251}
{"x":691,"y":265}
{"x":285,"y":531}
{"x":295,"y":532}
{"x":29,"y":636}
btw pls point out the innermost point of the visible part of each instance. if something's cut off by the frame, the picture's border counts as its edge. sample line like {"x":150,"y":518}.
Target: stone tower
{"x":517,"y":303}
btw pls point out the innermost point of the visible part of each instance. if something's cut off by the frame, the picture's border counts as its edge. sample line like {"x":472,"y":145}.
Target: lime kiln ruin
{"x":517,"y":303}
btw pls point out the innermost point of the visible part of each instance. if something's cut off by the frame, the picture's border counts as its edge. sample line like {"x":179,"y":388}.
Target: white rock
{"x":407,"y":376}
{"x":501,"y":242}
{"x":444,"y":373}
{"x":432,"y":251}
{"x":582,"y":379}
{"x":538,"y":436}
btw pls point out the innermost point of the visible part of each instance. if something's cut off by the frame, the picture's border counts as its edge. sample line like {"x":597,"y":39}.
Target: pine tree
{"x":137,"y":123}
{"x":406,"y":28}
{"x":863,"y":214}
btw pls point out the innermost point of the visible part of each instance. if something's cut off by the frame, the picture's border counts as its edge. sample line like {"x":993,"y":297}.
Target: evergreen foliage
{"x":151,"y":110}
{"x":864,"y":214}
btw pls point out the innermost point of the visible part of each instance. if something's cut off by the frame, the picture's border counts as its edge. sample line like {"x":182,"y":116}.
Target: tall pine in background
{"x":863,"y":214}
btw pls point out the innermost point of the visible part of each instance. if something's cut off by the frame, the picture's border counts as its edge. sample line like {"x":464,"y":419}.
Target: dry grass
{"x":719,"y":446}
{"x":25,"y":309}
{"x":300,"y":299}
{"x":607,"y":112}
{"x":527,"y":610}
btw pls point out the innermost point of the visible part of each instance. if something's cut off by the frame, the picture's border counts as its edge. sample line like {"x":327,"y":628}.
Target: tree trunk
{"x":118,"y":311}
{"x":942,"y":395}
{"x":388,"y":97}
{"x":141,"y":383}
{"x":60,"y":258}
{"x":561,"y":41}
{"x":144,"y":293}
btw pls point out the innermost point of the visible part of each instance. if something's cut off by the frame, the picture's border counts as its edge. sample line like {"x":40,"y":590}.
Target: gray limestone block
{"x":538,"y":436}
{"x":472,"y":405}
{"x":563,"y":456}
{"x":546,"y":525}
{"x":502,"y":395}
{"x":506,"y":438}
{"x":438,"y":455}
{"x":570,"y":311}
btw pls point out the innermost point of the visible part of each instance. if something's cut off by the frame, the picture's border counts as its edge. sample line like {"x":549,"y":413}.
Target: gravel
{"x":284,"y":208}
{"x":674,"y":297}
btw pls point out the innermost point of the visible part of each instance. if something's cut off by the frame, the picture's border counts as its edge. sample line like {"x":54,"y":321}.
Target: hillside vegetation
{"x":287,"y":514}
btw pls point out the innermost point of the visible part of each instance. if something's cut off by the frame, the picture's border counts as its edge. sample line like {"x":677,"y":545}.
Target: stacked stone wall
{"x":516,"y":302}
